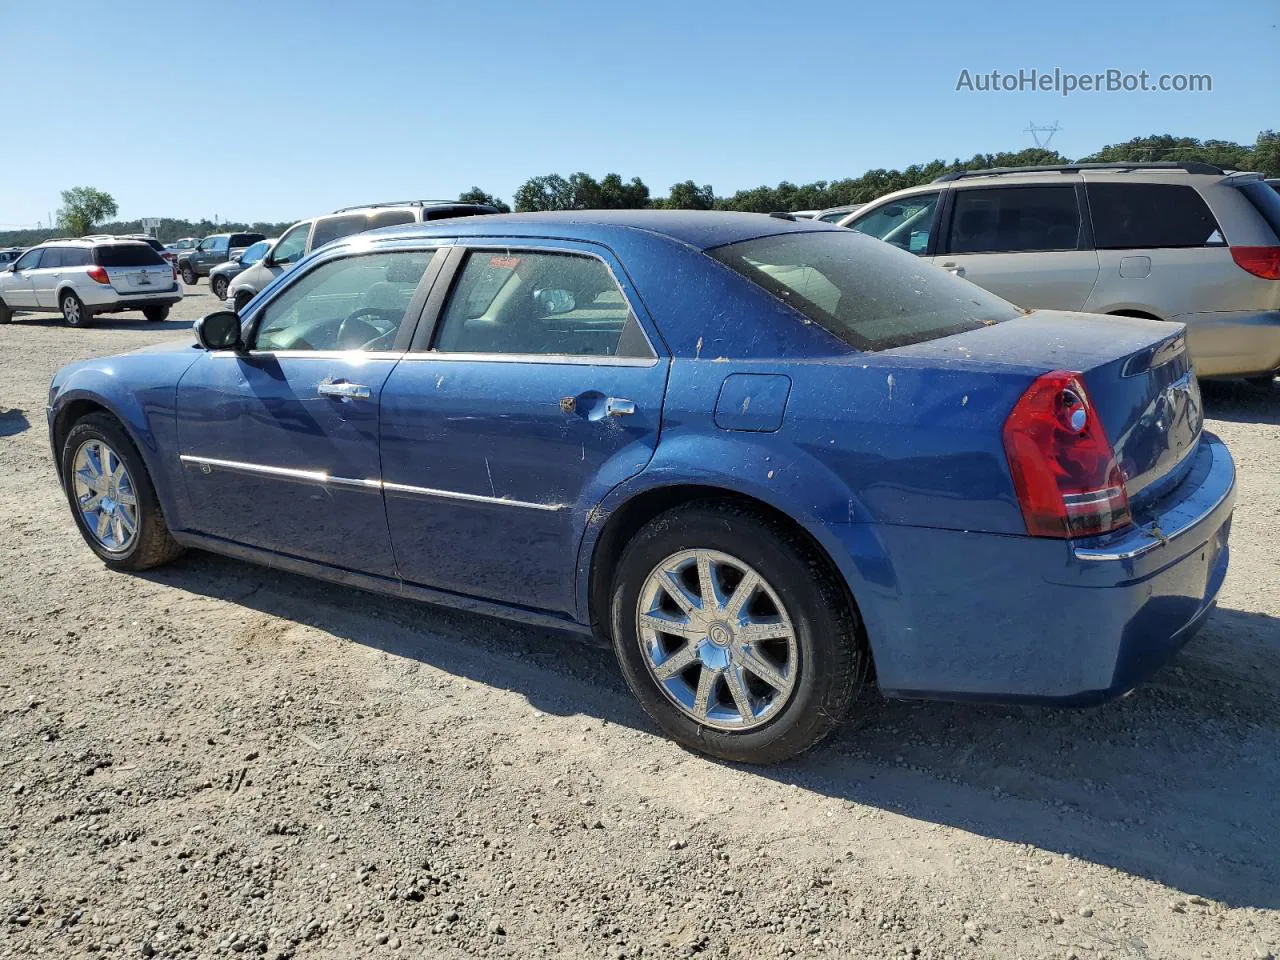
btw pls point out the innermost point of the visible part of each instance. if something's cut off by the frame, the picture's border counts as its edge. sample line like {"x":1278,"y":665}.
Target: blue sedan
{"x":769,"y":460}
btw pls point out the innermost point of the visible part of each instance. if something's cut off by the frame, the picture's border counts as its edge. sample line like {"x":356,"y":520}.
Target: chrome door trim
{"x":347,"y":356}
{"x":575,"y":359}
{"x":283,"y":473}
{"x":321,"y":478}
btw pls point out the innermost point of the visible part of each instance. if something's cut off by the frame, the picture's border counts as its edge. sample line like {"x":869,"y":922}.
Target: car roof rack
{"x":410,"y":203}
{"x":1188,"y":166}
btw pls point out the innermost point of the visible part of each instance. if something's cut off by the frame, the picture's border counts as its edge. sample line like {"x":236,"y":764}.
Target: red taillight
{"x":1262,"y":262}
{"x":174,"y":266}
{"x":99,"y":275}
{"x":1064,"y":470}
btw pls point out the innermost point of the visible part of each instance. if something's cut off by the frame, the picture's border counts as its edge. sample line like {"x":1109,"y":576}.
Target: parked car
{"x":803,"y":455}
{"x":804,"y":214}
{"x":836,"y":214}
{"x":85,"y":276}
{"x":220,"y":277}
{"x":1186,"y":242}
{"x":10,"y":255}
{"x":312,"y":234}
{"x":211,"y":251}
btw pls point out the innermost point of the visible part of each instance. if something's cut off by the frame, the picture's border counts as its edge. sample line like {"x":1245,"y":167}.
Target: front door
{"x":19,"y":288}
{"x":538,"y":393}
{"x":279,"y":443}
{"x":1026,"y":244}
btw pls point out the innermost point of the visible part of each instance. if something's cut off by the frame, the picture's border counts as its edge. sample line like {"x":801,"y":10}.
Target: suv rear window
{"x":1145,"y":215}
{"x":126,"y":255}
{"x":1266,"y":200}
{"x":865,"y":292}
{"x":390,"y":218}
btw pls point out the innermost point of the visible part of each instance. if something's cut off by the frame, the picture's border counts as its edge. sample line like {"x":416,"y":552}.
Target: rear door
{"x":279,"y":444}
{"x":1028,"y":244}
{"x":45,"y":278}
{"x":18,"y":289}
{"x":538,"y":391}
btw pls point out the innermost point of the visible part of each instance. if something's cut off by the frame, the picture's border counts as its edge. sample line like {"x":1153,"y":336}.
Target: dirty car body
{"x":871,"y":406}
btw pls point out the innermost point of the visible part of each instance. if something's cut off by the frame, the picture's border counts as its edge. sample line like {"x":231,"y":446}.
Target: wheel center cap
{"x":720,"y":634}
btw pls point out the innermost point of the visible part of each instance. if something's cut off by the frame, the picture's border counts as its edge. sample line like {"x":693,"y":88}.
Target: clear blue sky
{"x":282,"y":109}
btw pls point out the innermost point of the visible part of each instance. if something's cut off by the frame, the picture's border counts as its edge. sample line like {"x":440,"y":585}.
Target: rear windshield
{"x":866,"y":292}
{"x":127,"y":255}
{"x":1265,"y":200}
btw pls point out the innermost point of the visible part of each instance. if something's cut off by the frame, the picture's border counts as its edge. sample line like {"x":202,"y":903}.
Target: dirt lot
{"x":218,"y":759}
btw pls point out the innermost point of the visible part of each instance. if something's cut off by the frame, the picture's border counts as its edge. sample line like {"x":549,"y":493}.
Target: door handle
{"x":618,"y":407}
{"x":953,"y":269}
{"x":344,"y":390}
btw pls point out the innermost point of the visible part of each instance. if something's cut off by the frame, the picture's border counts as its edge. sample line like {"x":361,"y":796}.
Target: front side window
{"x":1014,"y":220}
{"x":219,"y":245}
{"x":29,"y":260}
{"x":1130,"y":216}
{"x":206,"y":243}
{"x":524,"y":302}
{"x":865,"y":293}
{"x":292,"y":245}
{"x":905,"y":223}
{"x":356,"y":303}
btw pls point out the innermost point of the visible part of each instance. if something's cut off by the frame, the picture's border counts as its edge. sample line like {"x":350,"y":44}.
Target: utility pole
{"x":1042,"y":133}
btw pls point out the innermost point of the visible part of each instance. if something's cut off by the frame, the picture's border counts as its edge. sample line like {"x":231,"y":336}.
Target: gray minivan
{"x":307,"y":235}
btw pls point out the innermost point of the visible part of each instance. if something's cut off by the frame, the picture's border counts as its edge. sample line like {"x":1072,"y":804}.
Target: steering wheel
{"x":369,"y":328}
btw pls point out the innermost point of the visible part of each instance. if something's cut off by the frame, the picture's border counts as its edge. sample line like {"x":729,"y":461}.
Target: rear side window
{"x":329,"y":229}
{"x":76,"y":257}
{"x":245,"y":239}
{"x":1014,"y":220}
{"x":866,"y":293}
{"x":1266,"y":200}
{"x":1144,"y":215}
{"x":390,"y":218}
{"x":52,"y":258}
{"x":126,"y":255}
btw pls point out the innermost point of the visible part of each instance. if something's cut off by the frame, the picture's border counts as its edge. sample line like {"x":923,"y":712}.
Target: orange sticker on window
{"x":504,"y":263}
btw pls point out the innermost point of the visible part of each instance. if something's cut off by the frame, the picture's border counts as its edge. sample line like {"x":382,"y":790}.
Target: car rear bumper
{"x":973,"y":616}
{"x":1234,"y":343}
{"x":108,"y":299}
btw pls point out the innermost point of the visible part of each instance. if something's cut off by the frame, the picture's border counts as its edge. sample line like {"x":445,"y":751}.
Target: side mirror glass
{"x":219,"y":331}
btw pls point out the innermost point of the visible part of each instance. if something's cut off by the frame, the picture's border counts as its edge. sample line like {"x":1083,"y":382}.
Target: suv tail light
{"x":99,"y":275}
{"x":1064,"y":470}
{"x":174,"y":266}
{"x":1262,"y":262}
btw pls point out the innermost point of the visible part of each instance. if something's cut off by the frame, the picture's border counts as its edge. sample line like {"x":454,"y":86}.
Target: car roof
{"x":91,"y":240}
{"x":701,"y":229}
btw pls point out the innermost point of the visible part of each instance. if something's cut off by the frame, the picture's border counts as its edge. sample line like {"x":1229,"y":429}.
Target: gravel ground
{"x":214,"y":759}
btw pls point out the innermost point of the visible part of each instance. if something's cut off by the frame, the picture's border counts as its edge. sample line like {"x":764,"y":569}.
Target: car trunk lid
{"x":134,"y":268}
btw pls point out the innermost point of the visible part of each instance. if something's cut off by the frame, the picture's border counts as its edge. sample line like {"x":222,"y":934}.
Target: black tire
{"x":74,"y":312}
{"x":6,"y":315}
{"x":242,"y":300}
{"x":156,"y":314}
{"x":218,"y":287}
{"x":189,"y":275}
{"x":152,"y":545}
{"x":1264,"y":382}
{"x":832,"y":655}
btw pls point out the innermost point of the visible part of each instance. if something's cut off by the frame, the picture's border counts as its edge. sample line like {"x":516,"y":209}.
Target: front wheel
{"x":734,"y":633}
{"x":189,"y":275}
{"x":156,"y":314}
{"x":112,"y":498}
{"x":218,"y":286}
{"x":73,"y":310}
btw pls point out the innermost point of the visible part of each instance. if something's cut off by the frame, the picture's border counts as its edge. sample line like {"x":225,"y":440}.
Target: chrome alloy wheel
{"x":105,"y":495}
{"x":71,"y":310}
{"x":717,"y":639}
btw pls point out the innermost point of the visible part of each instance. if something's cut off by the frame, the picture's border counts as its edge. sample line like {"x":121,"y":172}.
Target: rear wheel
{"x":112,"y":498}
{"x":156,"y":314}
{"x":6,"y":315}
{"x":189,"y":275}
{"x":734,"y":633}
{"x":218,"y":285}
{"x":74,"y":312}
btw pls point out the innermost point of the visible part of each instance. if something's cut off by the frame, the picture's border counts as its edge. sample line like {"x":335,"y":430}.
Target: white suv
{"x":1186,"y":242}
{"x":82,"y":277}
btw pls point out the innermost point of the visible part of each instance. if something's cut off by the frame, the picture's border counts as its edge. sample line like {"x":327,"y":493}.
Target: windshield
{"x":255,"y":253}
{"x":864,"y":291}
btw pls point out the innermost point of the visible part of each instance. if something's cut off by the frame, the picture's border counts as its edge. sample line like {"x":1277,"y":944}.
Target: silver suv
{"x":89,"y":275}
{"x":1186,"y":242}
{"x":307,"y":235}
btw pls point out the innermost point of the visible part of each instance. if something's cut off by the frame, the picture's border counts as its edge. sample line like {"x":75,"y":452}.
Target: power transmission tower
{"x":1042,"y":133}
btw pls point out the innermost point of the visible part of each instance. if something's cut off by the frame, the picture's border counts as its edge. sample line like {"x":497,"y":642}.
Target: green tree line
{"x":581,"y":191}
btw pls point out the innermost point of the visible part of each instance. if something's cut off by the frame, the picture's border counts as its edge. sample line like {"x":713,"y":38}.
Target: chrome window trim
{"x":350,"y":356}
{"x":468,"y":248}
{"x":548,"y":358}
{"x":322,"y":478}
